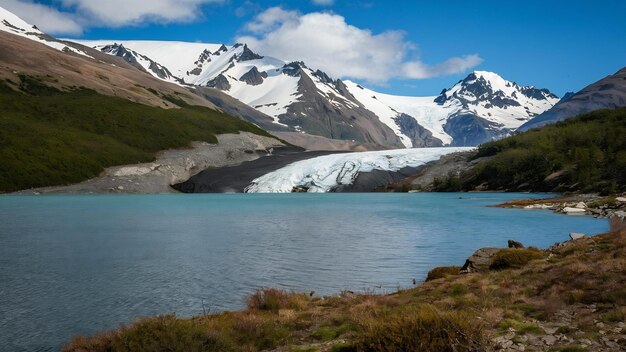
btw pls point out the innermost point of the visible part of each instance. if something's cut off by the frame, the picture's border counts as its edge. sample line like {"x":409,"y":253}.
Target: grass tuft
{"x":514,"y":258}
{"x":442,"y":272}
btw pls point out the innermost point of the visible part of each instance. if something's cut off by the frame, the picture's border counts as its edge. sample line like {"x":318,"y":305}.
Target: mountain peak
{"x":248,"y":55}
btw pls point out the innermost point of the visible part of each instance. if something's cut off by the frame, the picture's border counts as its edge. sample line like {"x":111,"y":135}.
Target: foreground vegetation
{"x":52,"y":137}
{"x":583,"y":154}
{"x":571,"y":297}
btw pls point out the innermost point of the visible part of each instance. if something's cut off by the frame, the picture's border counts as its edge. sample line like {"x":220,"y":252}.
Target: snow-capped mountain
{"x":481,"y":107}
{"x":297,"y":97}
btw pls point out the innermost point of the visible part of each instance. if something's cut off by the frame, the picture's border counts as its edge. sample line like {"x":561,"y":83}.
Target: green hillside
{"x":49,"y":137}
{"x":582,"y":154}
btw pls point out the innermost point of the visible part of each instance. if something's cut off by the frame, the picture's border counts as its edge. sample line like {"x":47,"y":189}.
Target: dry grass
{"x":443,"y":272}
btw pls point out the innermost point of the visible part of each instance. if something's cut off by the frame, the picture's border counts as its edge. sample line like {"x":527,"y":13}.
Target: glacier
{"x":325,"y":173}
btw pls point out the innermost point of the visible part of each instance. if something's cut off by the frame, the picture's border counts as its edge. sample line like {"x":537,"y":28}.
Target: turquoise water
{"x":78,"y":264}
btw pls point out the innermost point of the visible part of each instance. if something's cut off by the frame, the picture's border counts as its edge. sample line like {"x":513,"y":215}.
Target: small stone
{"x":549,"y":340}
{"x":581,"y":205}
{"x":586,"y":342}
{"x":509,"y":336}
{"x":621,"y":199}
{"x":575,"y":236}
{"x":600,"y":325}
{"x":550,"y":331}
{"x":121,"y":188}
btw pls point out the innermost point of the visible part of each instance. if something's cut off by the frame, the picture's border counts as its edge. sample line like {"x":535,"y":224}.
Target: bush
{"x":163,"y":333}
{"x":442,"y":271}
{"x":270,"y":299}
{"x":514,"y":258}
{"x":424,"y":329}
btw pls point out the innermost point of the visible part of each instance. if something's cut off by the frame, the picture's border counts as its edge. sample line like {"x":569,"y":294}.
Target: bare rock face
{"x":479,"y":261}
{"x":248,"y":55}
{"x":253,"y":77}
{"x":220,"y":82}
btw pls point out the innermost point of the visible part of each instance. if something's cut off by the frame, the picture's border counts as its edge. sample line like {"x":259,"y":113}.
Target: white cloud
{"x":46,"y":18}
{"x":419,"y":70}
{"x":323,"y":2}
{"x":117,"y":13}
{"x":271,"y":19}
{"x":325,"y":41}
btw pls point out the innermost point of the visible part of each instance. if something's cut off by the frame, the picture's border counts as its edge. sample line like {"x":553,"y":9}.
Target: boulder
{"x":575,"y":236}
{"x":480,"y":260}
{"x":621,"y":199}
{"x":580,"y":205}
{"x":515,"y":244}
{"x":620,"y":214}
{"x":570,"y":210}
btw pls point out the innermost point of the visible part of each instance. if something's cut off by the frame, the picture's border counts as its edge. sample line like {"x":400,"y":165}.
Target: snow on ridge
{"x":325,"y":173}
{"x":424,"y":110}
{"x":178,"y":57}
{"x":11,"y":23}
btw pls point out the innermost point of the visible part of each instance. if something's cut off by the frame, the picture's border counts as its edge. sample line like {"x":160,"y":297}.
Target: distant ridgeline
{"x":53,"y":137}
{"x":582,"y":154}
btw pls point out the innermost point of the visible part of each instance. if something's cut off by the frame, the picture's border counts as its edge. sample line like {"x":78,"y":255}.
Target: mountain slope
{"x":65,"y":116}
{"x":607,"y":93}
{"x":479,"y":108}
{"x":586,"y":153}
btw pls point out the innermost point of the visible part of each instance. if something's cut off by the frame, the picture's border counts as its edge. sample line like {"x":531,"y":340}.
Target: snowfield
{"x":325,"y":173}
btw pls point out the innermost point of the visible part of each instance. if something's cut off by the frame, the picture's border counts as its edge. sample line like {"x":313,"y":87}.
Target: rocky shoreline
{"x":609,"y":207}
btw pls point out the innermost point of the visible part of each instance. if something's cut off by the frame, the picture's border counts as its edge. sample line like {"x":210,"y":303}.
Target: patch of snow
{"x":11,"y":23}
{"x":178,"y":57}
{"x":325,"y":173}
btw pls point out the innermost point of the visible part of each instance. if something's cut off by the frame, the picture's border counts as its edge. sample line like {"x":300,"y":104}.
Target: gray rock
{"x":468,"y":129}
{"x":248,"y":55}
{"x":253,"y":77}
{"x":220,"y":82}
{"x":575,"y":236}
{"x":480,"y":260}
{"x":515,"y":244}
{"x":549,"y":340}
{"x":420,"y":136}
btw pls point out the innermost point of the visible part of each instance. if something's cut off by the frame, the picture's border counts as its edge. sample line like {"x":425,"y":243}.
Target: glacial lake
{"x":79,"y":264}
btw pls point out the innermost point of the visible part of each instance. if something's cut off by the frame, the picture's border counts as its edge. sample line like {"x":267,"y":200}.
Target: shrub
{"x":442,"y":271}
{"x":514,"y":258}
{"x":163,"y":333}
{"x":270,"y":299}
{"x":424,"y":329}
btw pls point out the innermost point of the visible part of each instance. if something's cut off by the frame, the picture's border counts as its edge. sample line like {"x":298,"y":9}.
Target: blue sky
{"x":559,"y":45}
